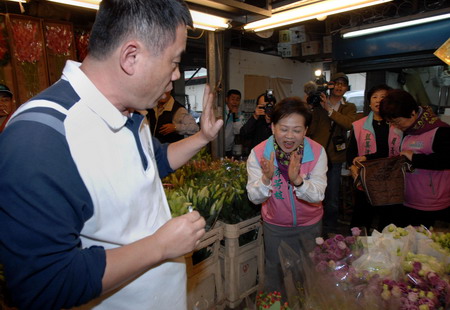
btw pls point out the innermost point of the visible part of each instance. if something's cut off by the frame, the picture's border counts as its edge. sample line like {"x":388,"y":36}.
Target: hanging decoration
{"x":4,"y":47}
{"x":59,"y":39}
{"x":5,"y":55}
{"x":59,"y":46}
{"x":28,"y":52}
{"x":82,"y":42}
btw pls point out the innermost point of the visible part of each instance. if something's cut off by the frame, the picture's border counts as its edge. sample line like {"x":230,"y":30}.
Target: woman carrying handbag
{"x":372,"y":138}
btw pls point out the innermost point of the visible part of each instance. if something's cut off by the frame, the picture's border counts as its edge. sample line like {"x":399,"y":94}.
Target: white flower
{"x":412,"y":296}
{"x":341,"y":245}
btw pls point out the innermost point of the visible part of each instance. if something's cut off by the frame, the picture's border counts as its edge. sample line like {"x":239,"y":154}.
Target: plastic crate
{"x":242,"y":262}
{"x":204,"y":277}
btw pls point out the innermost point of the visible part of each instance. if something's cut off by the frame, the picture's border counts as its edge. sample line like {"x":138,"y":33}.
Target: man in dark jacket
{"x":332,"y":119}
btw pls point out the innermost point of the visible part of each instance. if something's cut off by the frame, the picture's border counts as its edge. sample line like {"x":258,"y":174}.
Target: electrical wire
{"x":198,"y":37}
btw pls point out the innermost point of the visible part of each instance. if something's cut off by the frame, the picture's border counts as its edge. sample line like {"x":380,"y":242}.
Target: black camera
{"x":270,"y":99}
{"x":314,"y":98}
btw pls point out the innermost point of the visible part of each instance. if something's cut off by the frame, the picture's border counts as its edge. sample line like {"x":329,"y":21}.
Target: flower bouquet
{"x":436,"y":244}
{"x":384,"y":252}
{"x":419,"y":290}
{"x":382,"y":271}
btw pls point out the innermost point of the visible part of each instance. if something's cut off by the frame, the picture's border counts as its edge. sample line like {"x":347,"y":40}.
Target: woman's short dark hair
{"x":375,"y":89}
{"x":291,"y":105}
{"x":398,"y":103}
{"x":154,"y":22}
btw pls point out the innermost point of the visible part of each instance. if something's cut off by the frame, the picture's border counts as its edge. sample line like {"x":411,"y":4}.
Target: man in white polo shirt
{"x":84,"y":216}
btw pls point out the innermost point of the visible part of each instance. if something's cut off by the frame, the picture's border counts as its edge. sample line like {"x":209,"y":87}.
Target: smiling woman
{"x":289,"y":133}
{"x":287,"y":175}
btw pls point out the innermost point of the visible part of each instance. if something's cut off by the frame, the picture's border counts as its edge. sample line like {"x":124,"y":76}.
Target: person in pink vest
{"x":287,"y":175}
{"x":372,"y":138}
{"x":426,"y":144}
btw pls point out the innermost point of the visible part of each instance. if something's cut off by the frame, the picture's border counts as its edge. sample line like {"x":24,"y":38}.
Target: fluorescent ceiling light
{"x":22,"y":10}
{"x":208,"y":21}
{"x":409,"y":23}
{"x":89,"y":4}
{"x":201,"y":20}
{"x":316,"y":10}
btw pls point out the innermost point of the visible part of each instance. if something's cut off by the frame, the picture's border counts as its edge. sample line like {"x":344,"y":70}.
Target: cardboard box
{"x":327,"y":45}
{"x":298,"y":34}
{"x":292,"y":35}
{"x":311,"y":48}
{"x":289,"y":50}
{"x":284,"y":36}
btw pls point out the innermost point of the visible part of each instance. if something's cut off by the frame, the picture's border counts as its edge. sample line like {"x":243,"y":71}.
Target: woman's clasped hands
{"x":268,"y":169}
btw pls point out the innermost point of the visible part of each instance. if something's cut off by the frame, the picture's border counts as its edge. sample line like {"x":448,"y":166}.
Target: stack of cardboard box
{"x":290,"y":41}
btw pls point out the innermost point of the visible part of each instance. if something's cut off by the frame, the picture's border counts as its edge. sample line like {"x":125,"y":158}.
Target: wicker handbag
{"x":383,"y":180}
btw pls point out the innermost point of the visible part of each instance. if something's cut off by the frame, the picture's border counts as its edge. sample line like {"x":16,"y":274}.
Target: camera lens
{"x":314,"y":99}
{"x":268,"y":109}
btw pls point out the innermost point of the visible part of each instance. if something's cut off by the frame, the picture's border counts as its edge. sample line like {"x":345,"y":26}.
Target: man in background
{"x":332,"y":119}
{"x":233,"y":120}
{"x":6,"y":105}
{"x":84,"y":217}
{"x":170,"y":121}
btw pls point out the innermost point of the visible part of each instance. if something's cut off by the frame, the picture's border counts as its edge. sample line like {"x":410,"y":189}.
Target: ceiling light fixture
{"x":363,"y":32}
{"x":201,"y":20}
{"x":89,"y":4}
{"x":209,"y":22}
{"x":316,"y":10}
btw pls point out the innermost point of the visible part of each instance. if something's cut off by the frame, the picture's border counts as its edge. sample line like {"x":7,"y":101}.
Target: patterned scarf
{"x":283,"y":158}
{"x":426,"y":121}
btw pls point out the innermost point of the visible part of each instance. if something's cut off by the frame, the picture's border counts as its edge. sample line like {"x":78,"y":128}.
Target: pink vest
{"x":427,"y":190}
{"x":283,"y":208}
{"x":365,"y":137}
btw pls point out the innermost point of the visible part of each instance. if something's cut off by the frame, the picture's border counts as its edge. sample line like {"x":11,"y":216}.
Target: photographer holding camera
{"x":332,"y":119}
{"x":257,"y":128}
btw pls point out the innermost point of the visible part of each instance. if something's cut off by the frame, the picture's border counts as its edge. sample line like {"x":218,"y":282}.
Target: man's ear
{"x":128,"y":56}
